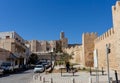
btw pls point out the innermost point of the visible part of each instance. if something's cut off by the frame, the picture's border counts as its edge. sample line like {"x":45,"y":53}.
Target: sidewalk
{"x":79,"y":77}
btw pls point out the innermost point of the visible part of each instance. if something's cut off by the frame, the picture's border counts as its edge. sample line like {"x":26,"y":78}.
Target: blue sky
{"x":45,"y":19}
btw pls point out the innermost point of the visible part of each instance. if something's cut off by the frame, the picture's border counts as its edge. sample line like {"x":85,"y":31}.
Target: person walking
{"x":67,"y":66}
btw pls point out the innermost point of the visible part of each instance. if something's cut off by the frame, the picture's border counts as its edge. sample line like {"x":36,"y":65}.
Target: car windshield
{"x":44,"y":63}
{"x":5,"y":64}
{"x":39,"y":66}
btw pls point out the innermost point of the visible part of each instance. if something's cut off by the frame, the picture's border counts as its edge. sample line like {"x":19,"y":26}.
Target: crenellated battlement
{"x":72,"y":46}
{"x":90,"y":34}
{"x":117,"y":6}
{"x":107,"y":34}
{"x":116,"y":14}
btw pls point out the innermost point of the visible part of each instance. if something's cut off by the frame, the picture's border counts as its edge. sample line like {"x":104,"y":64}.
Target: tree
{"x":33,"y":59}
{"x":66,"y":57}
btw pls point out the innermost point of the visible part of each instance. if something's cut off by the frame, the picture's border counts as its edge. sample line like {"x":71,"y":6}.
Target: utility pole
{"x":107,"y":53}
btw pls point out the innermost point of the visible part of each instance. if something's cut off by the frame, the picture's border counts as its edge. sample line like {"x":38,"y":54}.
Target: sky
{"x":45,"y":19}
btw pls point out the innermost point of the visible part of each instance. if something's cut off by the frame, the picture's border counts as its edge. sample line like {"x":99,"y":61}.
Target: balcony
{"x":19,"y":43}
{"x":19,"y":54}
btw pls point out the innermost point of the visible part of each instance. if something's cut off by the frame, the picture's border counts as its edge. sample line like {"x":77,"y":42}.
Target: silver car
{"x":39,"y":69}
{"x":7,"y":67}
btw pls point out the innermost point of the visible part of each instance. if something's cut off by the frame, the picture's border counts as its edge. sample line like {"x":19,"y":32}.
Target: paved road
{"x":23,"y":77}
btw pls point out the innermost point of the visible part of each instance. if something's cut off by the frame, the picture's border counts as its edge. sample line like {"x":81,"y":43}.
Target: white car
{"x":39,"y":69}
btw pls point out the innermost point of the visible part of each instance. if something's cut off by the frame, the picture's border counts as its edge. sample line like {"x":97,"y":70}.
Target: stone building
{"x":13,"y":48}
{"x":38,"y":46}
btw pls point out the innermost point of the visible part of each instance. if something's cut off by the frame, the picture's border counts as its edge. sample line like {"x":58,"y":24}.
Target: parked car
{"x":41,"y":61}
{"x":46,"y":65}
{"x":1,"y":71}
{"x":7,"y":67}
{"x":39,"y":69}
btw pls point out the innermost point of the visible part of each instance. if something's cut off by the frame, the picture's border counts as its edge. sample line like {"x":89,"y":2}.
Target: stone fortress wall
{"x":100,"y":44}
{"x":105,"y":35}
{"x":111,"y":37}
{"x":76,"y":52}
{"x":91,"y":41}
{"x":116,"y":25}
{"x":83,"y":54}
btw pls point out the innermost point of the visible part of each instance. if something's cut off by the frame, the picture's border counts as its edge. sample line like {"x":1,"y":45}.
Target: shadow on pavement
{"x":15,"y":72}
{"x":4,"y":75}
{"x":99,"y":75}
{"x":70,"y":75}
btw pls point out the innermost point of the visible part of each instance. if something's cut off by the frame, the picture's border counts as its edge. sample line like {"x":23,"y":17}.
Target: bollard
{"x":35,"y":77}
{"x":116,"y":76}
{"x":111,"y":79}
{"x":43,"y":79}
{"x":61,"y":71}
{"x":73,"y":71}
{"x":40,"y":78}
{"x":90,"y":71}
{"x":73,"y":80}
{"x":102,"y":71}
{"x":51,"y":80}
{"x":90,"y":79}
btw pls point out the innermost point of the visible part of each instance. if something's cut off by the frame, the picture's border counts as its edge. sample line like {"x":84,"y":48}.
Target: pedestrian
{"x":67,"y":66}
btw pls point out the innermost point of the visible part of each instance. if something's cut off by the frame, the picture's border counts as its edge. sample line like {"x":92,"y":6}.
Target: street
{"x":22,"y":77}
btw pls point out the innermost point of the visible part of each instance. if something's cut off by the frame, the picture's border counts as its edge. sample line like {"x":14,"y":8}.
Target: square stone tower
{"x":116,"y":25}
{"x":64,"y":40}
{"x":88,"y":48}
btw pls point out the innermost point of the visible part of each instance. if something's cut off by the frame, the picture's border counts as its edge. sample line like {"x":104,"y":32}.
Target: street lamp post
{"x":51,"y":60}
{"x":51,"y":53}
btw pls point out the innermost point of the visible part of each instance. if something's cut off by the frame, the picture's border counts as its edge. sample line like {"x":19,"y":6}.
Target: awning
{"x":12,"y":56}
